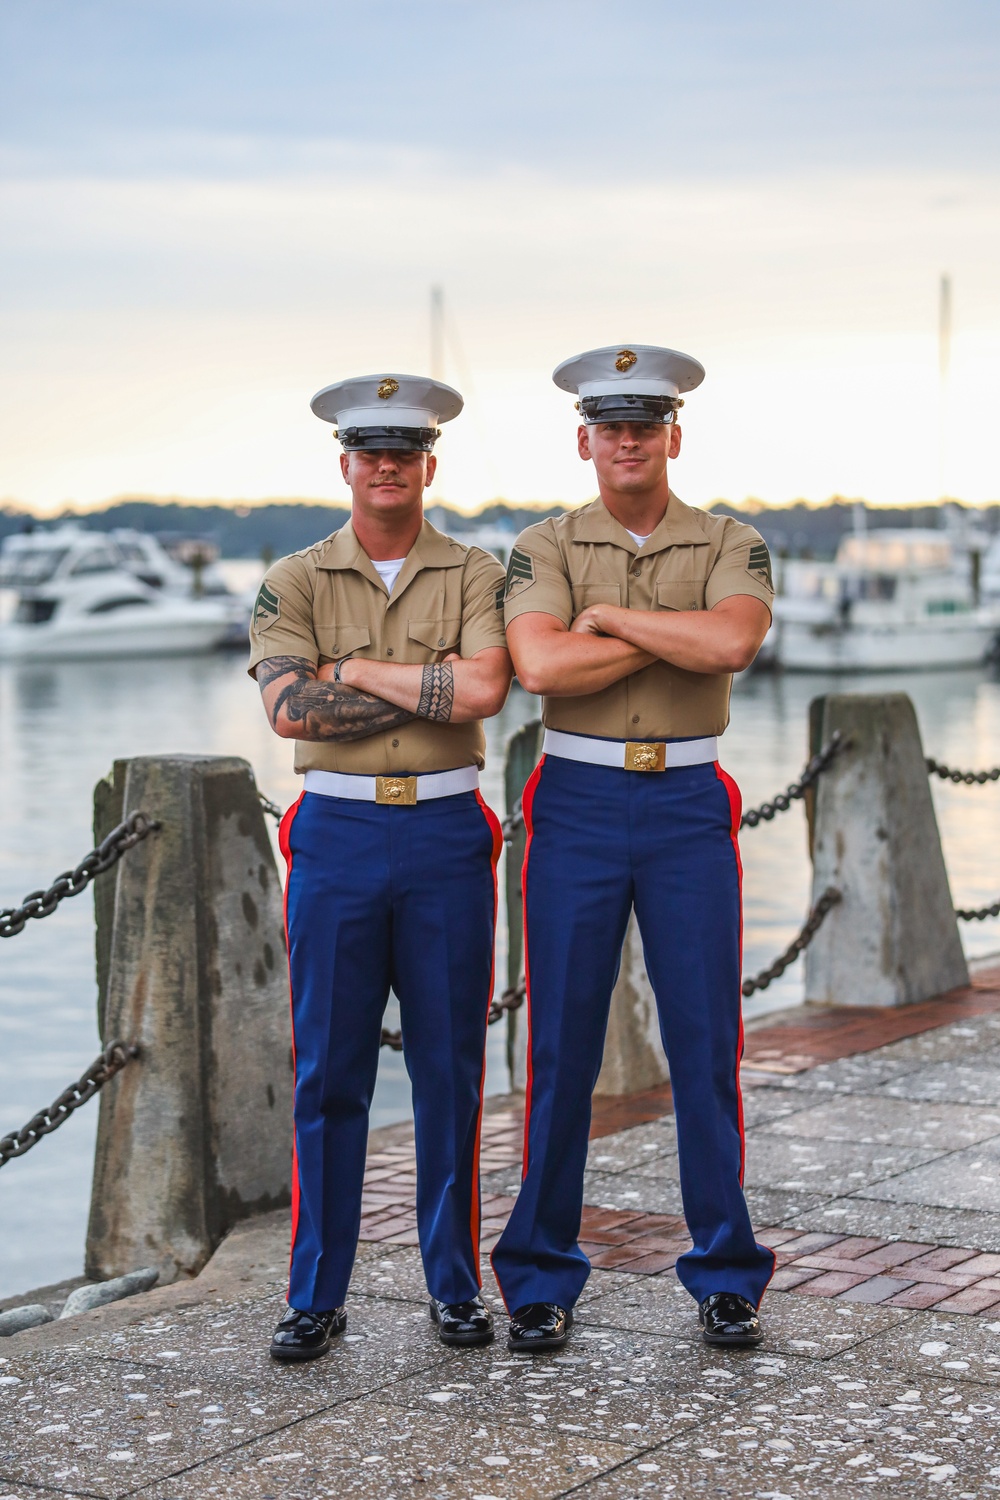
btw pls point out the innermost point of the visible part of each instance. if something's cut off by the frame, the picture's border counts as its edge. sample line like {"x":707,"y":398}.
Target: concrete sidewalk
{"x":875,"y":1175}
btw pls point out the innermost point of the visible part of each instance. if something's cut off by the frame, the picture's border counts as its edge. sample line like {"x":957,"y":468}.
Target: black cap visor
{"x":625,"y":407}
{"x":403,"y":439}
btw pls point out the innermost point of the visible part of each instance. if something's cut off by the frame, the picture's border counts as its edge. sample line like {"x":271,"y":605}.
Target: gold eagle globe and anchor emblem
{"x":626,"y":359}
{"x":387,"y":388}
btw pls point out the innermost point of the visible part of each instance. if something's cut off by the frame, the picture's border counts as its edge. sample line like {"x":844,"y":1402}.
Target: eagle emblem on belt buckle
{"x":641,"y":755}
{"x":396,"y":791}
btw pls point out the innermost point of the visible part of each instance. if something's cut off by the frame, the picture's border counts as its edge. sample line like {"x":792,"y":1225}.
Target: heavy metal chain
{"x":136,"y":827}
{"x":966,"y":778}
{"x":511,"y":999}
{"x":977,"y":914}
{"x":270,"y":807}
{"x":115,"y":1056}
{"x":511,"y":824}
{"x":814,"y":922}
{"x":813,"y":771}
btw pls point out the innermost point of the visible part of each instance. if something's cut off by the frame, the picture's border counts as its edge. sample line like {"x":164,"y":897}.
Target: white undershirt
{"x":388,"y":571}
{"x":639,"y":540}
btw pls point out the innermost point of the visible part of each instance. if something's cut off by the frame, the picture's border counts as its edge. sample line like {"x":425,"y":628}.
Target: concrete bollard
{"x":893,"y":939}
{"x":634,"y":1059}
{"x":196,"y":1134}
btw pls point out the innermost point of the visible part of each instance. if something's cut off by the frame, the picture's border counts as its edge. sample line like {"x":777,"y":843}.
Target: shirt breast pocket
{"x":439,"y":636}
{"x":681,"y":593}
{"x":337,"y":641}
{"x":585,"y":594}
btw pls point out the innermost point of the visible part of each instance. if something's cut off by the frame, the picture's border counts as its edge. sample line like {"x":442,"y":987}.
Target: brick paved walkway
{"x":873,"y":1164}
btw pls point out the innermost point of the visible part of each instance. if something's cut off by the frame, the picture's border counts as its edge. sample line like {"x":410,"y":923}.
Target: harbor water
{"x":61,"y":726}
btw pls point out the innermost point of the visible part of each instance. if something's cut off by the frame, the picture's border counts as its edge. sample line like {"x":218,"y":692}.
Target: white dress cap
{"x":387,"y":411}
{"x":647,"y":379}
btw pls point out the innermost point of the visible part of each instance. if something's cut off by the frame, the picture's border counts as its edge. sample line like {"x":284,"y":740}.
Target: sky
{"x":209,"y":210}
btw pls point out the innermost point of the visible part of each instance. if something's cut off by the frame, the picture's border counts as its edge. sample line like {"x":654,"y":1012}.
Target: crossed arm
{"x":303,"y":703}
{"x":606,"y":643}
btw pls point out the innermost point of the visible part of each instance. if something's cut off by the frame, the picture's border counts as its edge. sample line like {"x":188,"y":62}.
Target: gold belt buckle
{"x":645,"y":755}
{"x":396,"y":791}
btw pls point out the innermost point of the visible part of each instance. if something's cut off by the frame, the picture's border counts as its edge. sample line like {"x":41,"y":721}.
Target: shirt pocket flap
{"x":438,"y":635}
{"x":338,"y":641}
{"x":681,"y":593}
{"x":585,"y":594}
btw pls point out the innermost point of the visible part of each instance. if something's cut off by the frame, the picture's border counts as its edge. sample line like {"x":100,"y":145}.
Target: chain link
{"x":977,"y":914}
{"x":814,"y":922}
{"x":813,"y":771}
{"x":511,"y":999}
{"x":136,"y":827}
{"x":964,"y":778}
{"x":511,"y":824}
{"x":115,"y":1056}
{"x":270,"y":807}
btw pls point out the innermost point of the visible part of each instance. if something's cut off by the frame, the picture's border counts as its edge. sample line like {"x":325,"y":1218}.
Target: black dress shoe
{"x":463,"y":1322}
{"x":307,"y":1335}
{"x":538,"y":1326}
{"x":728,"y":1319}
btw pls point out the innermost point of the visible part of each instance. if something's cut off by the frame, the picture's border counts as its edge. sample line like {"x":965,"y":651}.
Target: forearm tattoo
{"x":325,"y":710}
{"x":437,"y":692}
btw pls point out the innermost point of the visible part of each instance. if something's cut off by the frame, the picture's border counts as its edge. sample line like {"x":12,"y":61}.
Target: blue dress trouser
{"x":600,"y":841}
{"x":381,"y":896}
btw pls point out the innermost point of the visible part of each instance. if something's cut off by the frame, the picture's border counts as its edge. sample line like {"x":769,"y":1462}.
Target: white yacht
{"x":70,"y":594}
{"x":892,"y":599}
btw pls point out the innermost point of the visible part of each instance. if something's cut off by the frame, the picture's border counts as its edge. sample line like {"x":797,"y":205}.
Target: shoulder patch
{"x":520,"y":572}
{"x":267,"y":608}
{"x":759,"y":563}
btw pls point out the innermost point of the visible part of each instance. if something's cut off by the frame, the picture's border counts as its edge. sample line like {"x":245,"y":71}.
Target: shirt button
{"x":441,"y":641}
{"x":636,"y":572}
{"x":395,"y":744}
{"x":635,"y":718}
{"x":388,"y":650}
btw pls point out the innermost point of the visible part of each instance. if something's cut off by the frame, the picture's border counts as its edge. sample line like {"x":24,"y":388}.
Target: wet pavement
{"x":876,"y":1178}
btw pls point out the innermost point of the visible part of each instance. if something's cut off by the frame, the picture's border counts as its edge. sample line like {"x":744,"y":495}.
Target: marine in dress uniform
{"x":631,"y":632}
{"x":379,"y":651}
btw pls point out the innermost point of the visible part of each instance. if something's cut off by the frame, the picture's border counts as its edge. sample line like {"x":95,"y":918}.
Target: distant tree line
{"x":274,"y":529}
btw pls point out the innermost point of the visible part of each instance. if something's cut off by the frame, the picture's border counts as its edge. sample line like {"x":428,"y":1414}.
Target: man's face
{"x":629,"y":456}
{"x":387,"y":481}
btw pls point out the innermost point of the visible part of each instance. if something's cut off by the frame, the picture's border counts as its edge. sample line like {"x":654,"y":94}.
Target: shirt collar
{"x":343,"y":552}
{"x":678,"y":527}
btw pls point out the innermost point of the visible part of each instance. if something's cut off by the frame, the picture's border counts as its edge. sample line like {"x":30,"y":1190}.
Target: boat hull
{"x":92,"y":637}
{"x":804,"y":646}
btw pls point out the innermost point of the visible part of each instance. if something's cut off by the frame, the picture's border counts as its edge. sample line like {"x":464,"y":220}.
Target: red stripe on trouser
{"x":494,"y":826}
{"x":527,"y":803}
{"x":284,"y":836}
{"x":735,"y":813}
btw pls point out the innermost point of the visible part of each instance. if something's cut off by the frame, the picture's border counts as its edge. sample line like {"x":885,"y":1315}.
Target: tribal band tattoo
{"x":324,"y":710}
{"x":437,"y":692}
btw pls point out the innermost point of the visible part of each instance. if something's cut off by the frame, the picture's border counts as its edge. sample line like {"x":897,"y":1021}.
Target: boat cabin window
{"x":21,"y":569}
{"x":880,"y":586}
{"x":97,"y":560}
{"x":133,"y":554}
{"x":107,"y":606}
{"x":35,"y":611}
{"x":895,"y":552}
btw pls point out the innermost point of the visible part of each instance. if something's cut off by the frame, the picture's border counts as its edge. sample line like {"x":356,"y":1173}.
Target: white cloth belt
{"x":365,"y":788}
{"x":615,"y":752}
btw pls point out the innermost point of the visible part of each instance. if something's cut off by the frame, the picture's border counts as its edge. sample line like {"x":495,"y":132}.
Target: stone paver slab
{"x":832,"y":1433}
{"x":829,"y":1168}
{"x":376,"y":1451}
{"x":633,"y":1148}
{"x":957,"y":1082}
{"x":950,"y":1348}
{"x":893,"y":1122}
{"x":817,"y":1329}
{"x":629,"y":1191}
{"x":618,"y":1386}
{"x":967,"y":1179}
{"x":106,"y":1427}
{"x":905,"y":1221}
{"x":763,"y":1103}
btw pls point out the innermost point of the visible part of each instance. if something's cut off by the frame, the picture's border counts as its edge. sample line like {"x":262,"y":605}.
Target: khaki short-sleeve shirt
{"x":328,"y":602}
{"x":691,"y":561}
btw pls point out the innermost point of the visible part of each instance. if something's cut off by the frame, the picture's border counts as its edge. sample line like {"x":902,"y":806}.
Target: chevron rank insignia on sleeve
{"x":759,"y":562}
{"x":520,"y":570}
{"x":267,"y":608}
{"x":499,"y":596}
